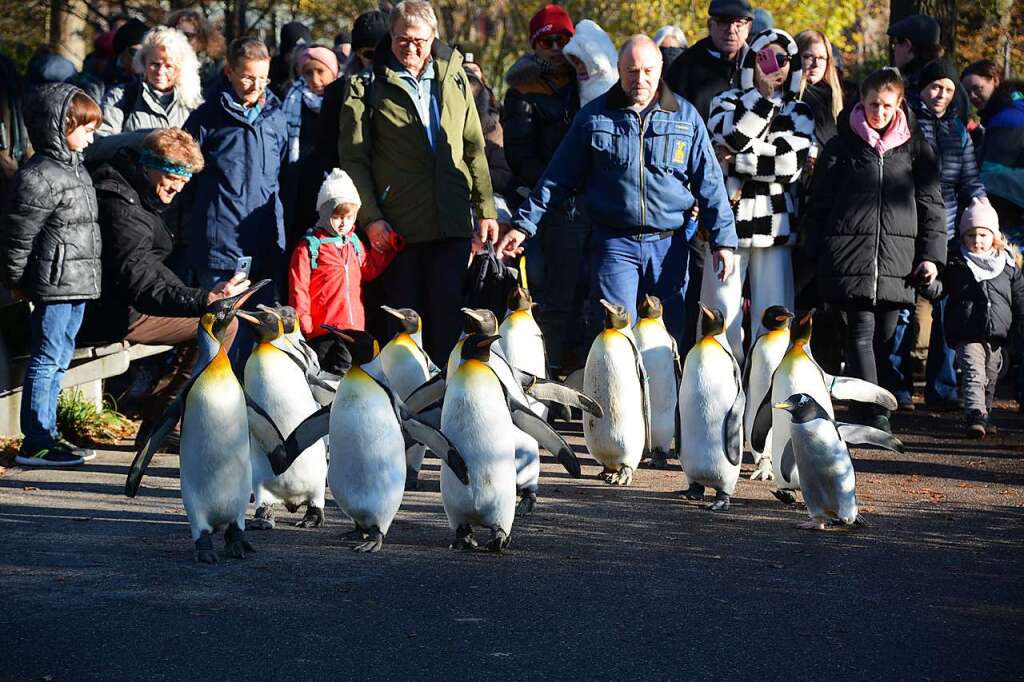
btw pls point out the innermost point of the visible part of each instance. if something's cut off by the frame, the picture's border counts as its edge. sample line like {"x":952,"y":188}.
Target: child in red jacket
{"x":329,"y":265}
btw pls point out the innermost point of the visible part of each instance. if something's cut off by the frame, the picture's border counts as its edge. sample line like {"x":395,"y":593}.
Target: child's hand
{"x":377,"y":233}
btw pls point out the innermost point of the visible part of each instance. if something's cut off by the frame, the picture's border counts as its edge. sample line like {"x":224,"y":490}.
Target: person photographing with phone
{"x":762,"y":135}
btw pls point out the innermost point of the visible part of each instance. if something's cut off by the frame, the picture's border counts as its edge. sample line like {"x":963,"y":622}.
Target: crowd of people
{"x":742,"y":171}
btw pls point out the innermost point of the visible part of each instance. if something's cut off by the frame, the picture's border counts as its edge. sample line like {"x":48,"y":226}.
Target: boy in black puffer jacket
{"x":985,"y":291}
{"x":50,"y":255}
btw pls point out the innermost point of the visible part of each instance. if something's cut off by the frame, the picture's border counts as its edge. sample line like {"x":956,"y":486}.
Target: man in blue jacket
{"x":641,"y":158}
{"x":236,"y":208}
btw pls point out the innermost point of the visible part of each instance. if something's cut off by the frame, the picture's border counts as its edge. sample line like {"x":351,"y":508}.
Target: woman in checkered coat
{"x":762,"y":134}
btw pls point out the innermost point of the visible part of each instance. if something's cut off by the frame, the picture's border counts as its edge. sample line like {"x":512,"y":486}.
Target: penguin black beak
{"x":393,"y":311}
{"x":340,"y":333}
{"x":608,"y":305}
{"x":239,"y":300}
{"x":784,"y":405}
{"x":807,"y":318}
{"x":469,"y":312}
{"x":708,"y":312}
{"x":248,"y":317}
{"x":487,"y":341}
{"x":268,"y":309}
{"x":784,"y":316}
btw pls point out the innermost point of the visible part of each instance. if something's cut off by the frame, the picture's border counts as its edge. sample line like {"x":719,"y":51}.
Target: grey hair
{"x":179,"y":53}
{"x":413,"y":12}
{"x":670,"y":31}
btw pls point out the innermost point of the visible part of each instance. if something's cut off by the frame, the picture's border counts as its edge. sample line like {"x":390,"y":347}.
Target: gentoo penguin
{"x":614,"y":376}
{"x":370,"y":428}
{"x":661,"y":361}
{"x":477,"y":420}
{"x":522,"y":341}
{"x":764,"y":356}
{"x":276,"y":380}
{"x":216,"y":417}
{"x":799,"y":373}
{"x":711,"y":414}
{"x":826,"y":471}
{"x":407,"y":366}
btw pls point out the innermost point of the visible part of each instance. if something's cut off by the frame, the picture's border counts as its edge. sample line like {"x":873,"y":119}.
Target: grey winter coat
{"x":132,"y":107}
{"x":49,"y":235}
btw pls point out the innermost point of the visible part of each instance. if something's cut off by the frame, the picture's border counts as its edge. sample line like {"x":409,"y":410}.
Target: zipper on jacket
{"x":348,"y":298}
{"x":878,"y":233}
{"x":643,"y":204}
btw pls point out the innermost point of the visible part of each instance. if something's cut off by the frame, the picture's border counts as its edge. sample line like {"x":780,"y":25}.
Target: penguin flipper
{"x":438,"y":443}
{"x":788,"y":463}
{"x":157,"y":436}
{"x":850,"y":388}
{"x":575,"y":379}
{"x":426,"y":394}
{"x":645,"y":393}
{"x":762,"y":421}
{"x":858,"y":434}
{"x":270,"y":436}
{"x":733,"y":425}
{"x":549,"y":439}
{"x":548,"y":390}
{"x":309,"y":431}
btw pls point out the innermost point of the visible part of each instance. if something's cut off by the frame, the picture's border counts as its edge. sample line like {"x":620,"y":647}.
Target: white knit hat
{"x":979,"y":214}
{"x":337,"y":189}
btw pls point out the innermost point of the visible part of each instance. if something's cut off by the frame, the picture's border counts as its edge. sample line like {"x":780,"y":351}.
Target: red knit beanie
{"x":551,"y":19}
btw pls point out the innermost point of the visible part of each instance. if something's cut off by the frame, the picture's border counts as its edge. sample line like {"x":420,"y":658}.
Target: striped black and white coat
{"x":770,"y":139}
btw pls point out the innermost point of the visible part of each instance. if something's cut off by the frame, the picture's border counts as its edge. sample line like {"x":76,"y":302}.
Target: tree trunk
{"x":67,"y":30}
{"x":943,"y":11}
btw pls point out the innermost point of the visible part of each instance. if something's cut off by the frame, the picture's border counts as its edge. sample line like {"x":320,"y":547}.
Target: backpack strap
{"x":314,"y":249}
{"x":315,"y":242}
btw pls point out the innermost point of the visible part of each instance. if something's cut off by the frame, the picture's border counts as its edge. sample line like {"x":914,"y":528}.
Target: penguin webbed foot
{"x":357,"y":534}
{"x":464,"y":539}
{"x":235,"y":544}
{"x":527,"y":502}
{"x":763,"y":470}
{"x":694,"y":492}
{"x":412,"y":479}
{"x":263,"y":519}
{"x":784,"y":496}
{"x":204,"y":552}
{"x":813,"y":524}
{"x":499,"y":541}
{"x":374,"y":542}
{"x":624,"y":476}
{"x":659,"y":460}
{"x":314,"y":518}
{"x":721,"y":502}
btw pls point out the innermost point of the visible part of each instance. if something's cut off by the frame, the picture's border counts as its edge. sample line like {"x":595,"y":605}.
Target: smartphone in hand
{"x":244,"y":265}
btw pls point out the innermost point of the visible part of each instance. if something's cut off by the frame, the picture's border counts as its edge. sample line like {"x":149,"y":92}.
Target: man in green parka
{"x":412,"y":142}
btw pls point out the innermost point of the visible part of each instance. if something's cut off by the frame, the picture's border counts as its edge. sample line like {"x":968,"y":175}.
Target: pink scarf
{"x":895,"y":134}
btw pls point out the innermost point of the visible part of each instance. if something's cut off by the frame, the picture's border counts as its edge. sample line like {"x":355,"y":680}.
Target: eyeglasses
{"x":553,"y":41}
{"x":253,"y":82}
{"x":781,"y":59}
{"x":406,"y":41}
{"x":724,"y":22}
{"x":811,"y":60}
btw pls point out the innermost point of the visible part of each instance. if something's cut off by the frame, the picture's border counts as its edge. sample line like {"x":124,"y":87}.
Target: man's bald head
{"x":640,"y":69}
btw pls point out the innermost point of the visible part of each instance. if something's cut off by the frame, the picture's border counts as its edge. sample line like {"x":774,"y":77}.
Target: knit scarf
{"x":298,"y":94}
{"x":987,"y":265}
{"x":895,"y":134}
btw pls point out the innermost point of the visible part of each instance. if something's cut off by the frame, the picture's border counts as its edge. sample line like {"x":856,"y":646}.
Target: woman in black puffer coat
{"x":875,"y":223}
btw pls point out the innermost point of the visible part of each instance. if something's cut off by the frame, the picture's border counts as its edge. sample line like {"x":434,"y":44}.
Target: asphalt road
{"x":600,"y":582}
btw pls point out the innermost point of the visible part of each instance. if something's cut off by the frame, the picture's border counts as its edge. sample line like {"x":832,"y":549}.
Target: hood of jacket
{"x":45,"y":111}
{"x":528,"y":72}
{"x":592,"y":46}
{"x":772,"y":36}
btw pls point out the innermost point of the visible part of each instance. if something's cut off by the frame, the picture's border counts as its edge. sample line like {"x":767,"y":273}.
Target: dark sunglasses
{"x":550,"y":42}
{"x":781,"y":59}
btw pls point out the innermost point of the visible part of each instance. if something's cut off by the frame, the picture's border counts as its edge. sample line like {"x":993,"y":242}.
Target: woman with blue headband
{"x":142,"y":300}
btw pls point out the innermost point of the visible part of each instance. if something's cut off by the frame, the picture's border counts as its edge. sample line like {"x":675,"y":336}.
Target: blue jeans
{"x":53,"y":330}
{"x":627,"y":267}
{"x":896,"y":369}
{"x":245,"y":339}
{"x":940,"y":369}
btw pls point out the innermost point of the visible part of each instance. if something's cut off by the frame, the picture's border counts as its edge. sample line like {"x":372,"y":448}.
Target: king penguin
{"x":216,"y":416}
{"x":614,"y":376}
{"x":476,"y":419}
{"x":661,"y":361}
{"x":711,"y":414}
{"x":764,"y":356}
{"x":407,"y":366}
{"x":276,"y":380}
{"x":799,"y":373}
{"x":826,"y":471}
{"x":370,"y":429}
{"x":522,"y":341}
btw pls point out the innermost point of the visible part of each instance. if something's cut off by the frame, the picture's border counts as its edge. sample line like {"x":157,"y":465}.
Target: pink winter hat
{"x":979,"y":214}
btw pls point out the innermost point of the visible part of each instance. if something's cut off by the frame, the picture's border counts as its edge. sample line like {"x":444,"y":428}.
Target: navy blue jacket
{"x":636,"y":177}
{"x":954,"y":152}
{"x":236,"y":209}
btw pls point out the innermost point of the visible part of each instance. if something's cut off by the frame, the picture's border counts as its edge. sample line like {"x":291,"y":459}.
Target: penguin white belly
{"x":800,"y":375}
{"x":280,"y":387}
{"x":475,"y":418}
{"x":707,"y":393}
{"x":764,"y":358}
{"x":655,"y":346}
{"x":827,"y":478}
{"x":527,"y":462}
{"x":611,"y":378}
{"x":523,"y":345}
{"x":216,"y":474}
{"x":367,"y":469}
